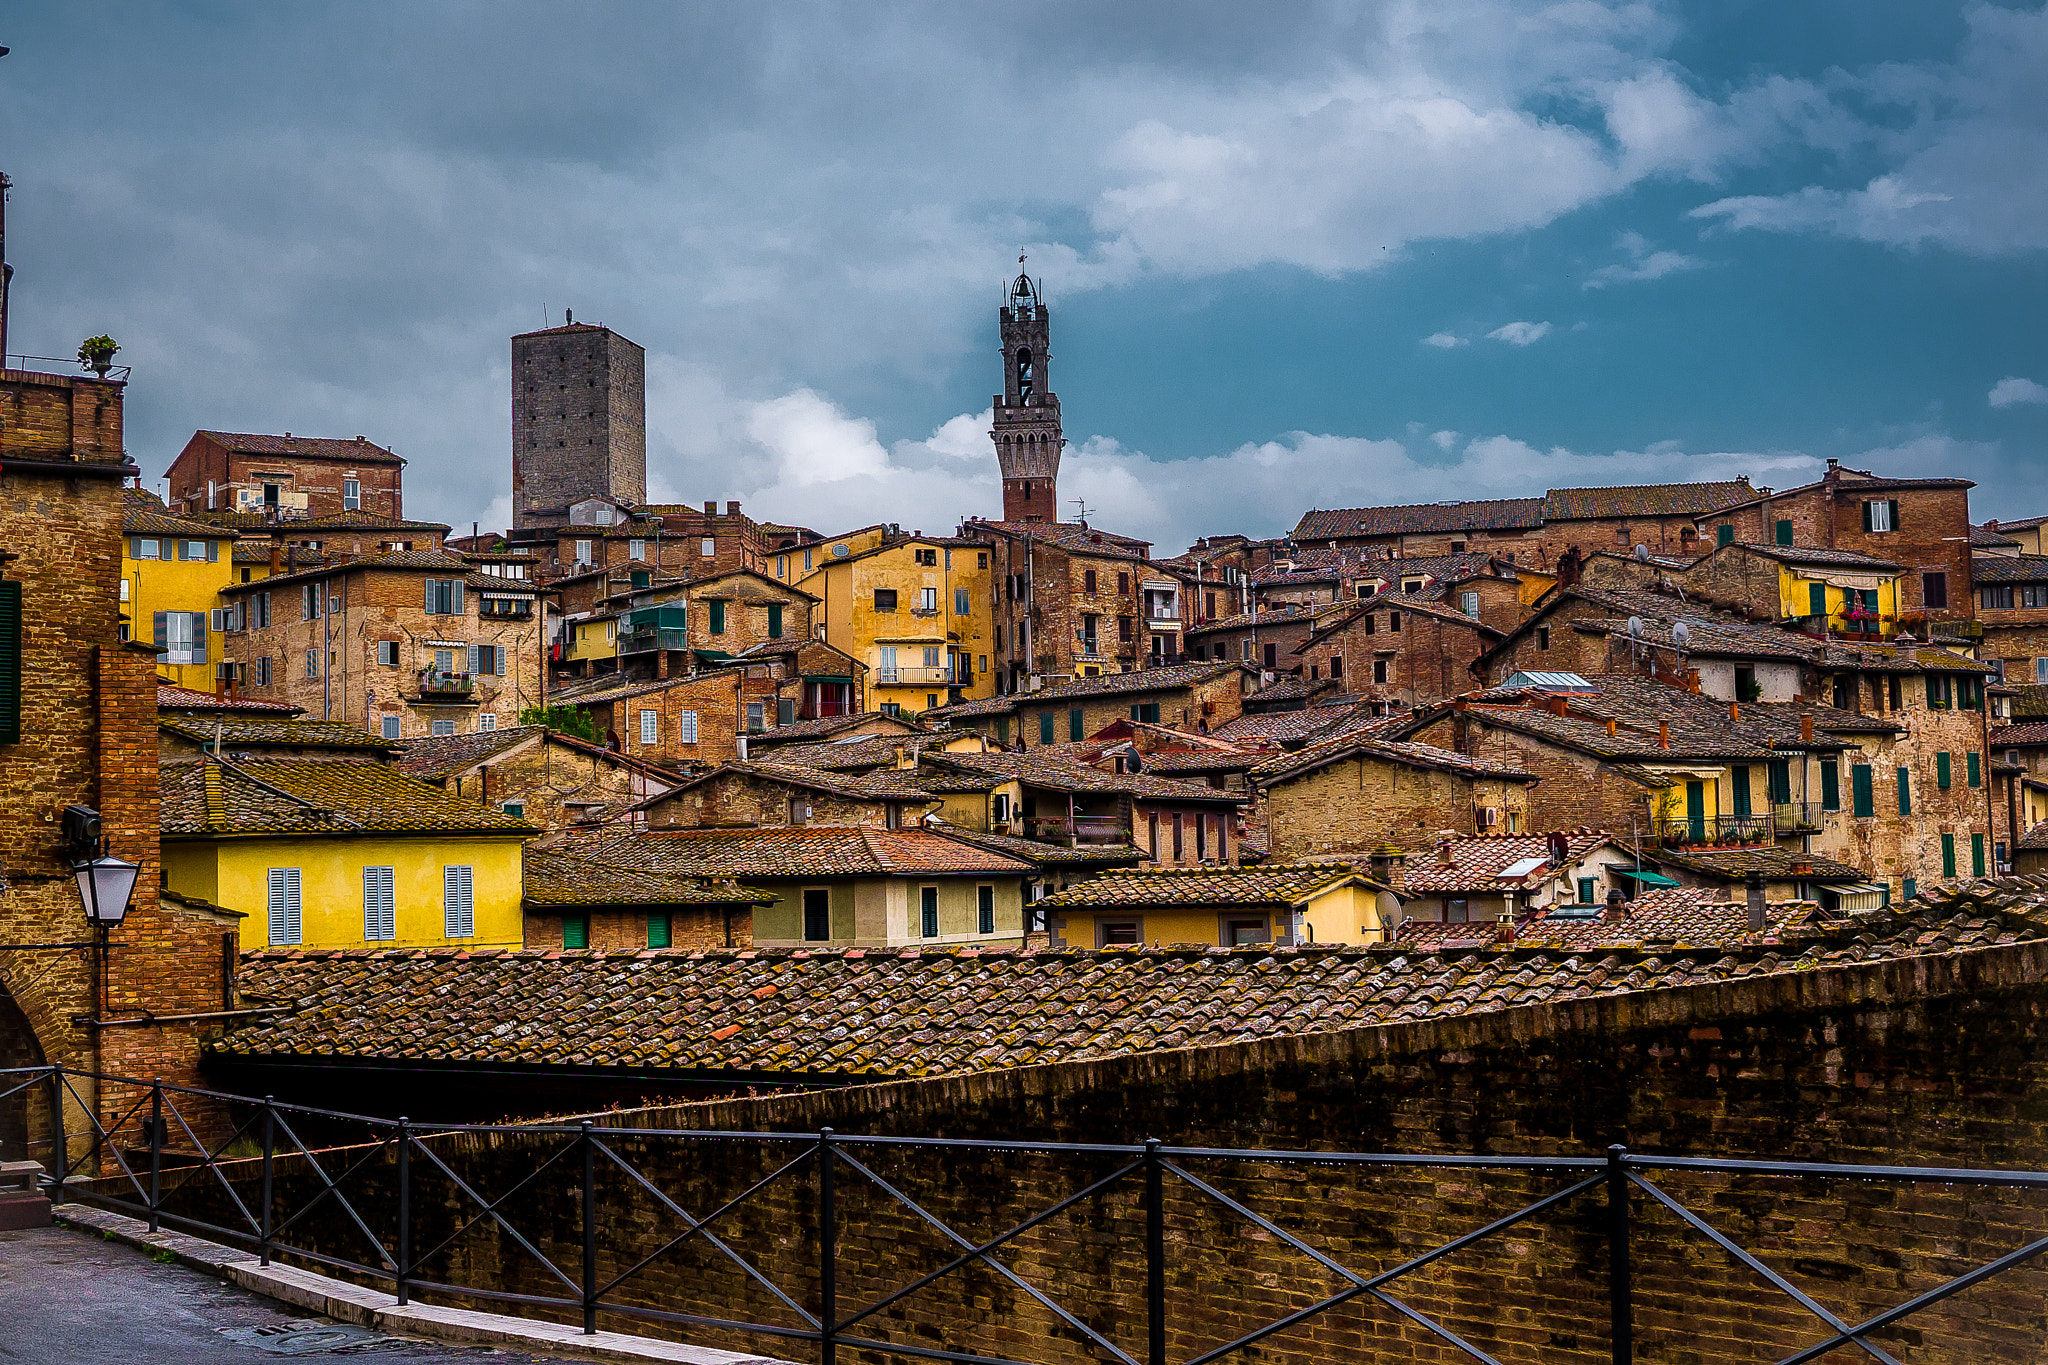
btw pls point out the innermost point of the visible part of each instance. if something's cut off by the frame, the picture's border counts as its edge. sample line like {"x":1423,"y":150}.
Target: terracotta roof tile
{"x":1282,"y":885}
{"x":558,"y":879}
{"x":357,"y":451}
{"x":169,"y":698}
{"x":802,"y":851}
{"x":213,"y":799}
{"x":1495,"y":514}
{"x":439,"y":756}
{"x":1645,"y":500}
{"x":1476,"y":864}
{"x":300,"y":733}
{"x":1141,"y":680}
{"x":880,"y":1012}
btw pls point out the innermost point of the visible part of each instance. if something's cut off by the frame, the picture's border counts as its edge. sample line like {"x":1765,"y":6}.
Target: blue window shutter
{"x":161,"y":622}
{"x":431,"y":585}
{"x":455,"y":596}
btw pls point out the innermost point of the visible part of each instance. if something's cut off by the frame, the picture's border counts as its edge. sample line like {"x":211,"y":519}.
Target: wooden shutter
{"x":476,"y":659}
{"x":10,"y":663}
{"x":455,"y":596}
{"x":1944,"y":770}
{"x":162,"y":625}
{"x":1866,"y":516}
{"x":1830,"y":785}
{"x":432,"y":583}
{"x":380,"y":904}
{"x":498,"y":660}
{"x":1905,"y":791}
{"x":286,"y":923}
{"x":458,"y":904}
{"x":198,"y":619}
{"x":1860,"y":784}
{"x":1893,"y":507}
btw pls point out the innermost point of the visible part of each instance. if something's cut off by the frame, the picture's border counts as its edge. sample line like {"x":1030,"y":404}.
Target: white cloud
{"x":1642,"y":263}
{"x":2010,"y":391}
{"x":1443,"y":341}
{"x":1520,"y":333}
{"x":1967,"y":147}
{"x":1444,"y":440}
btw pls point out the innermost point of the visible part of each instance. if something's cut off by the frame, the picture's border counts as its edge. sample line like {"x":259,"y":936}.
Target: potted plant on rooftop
{"x":97,"y":354}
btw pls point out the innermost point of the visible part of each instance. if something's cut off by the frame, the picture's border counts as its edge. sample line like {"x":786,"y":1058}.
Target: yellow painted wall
{"x":1534,"y":584}
{"x":881,"y":911}
{"x":1336,"y":916}
{"x":852,"y":624}
{"x":154,"y":585}
{"x":1669,"y":803}
{"x":1350,"y":914}
{"x":593,"y":640}
{"x":1795,"y":599}
{"x":234,"y":873}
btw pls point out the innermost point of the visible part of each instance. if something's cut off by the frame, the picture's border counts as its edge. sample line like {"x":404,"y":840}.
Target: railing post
{"x":269,"y":1150}
{"x":60,"y":1145}
{"x":1620,"y":1309}
{"x":156,"y":1149}
{"x":589,"y":1232}
{"x":1155,"y":1255}
{"x":828,"y":1253}
{"x":404,"y":1210}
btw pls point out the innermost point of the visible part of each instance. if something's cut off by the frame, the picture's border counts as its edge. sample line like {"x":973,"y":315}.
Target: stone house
{"x":1396,"y":652}
{"x":847,"y":886}
{"x":405,"y":643}
{"x":1057,"y":798}
{"x":678,"y":724}
{"x":917,"y":610}
{"x":1074,"y":602}
{"x":1223,"y":907}
{"x":172,"y":572}
{"x":285,"y":478}
{"x":1921,"y":524}
{"x":1665,"y":517}
{"x":1481,"y":879}
{"x":1265,"y":640}
{"x":78,"y":728}
{"x":669,"y":627}
{"x":542,"y":776}
{"x":850,"y":725}
{"x":1196,"y":697}
{"x":1827,"y":591}
{"x":269,"y":546}
{"x":1356,"y":792}
{"x":1510,"y":526}
{"x":2012,"y":608}
{"x":777,"y":796}
{"x":590,"y":903}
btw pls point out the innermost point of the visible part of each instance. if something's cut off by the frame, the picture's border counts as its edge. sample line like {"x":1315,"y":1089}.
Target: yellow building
{"x":172,"y":572}
{"x":1857,"y":598}
{"x":341,"y":853}
{"x":1228,"y":907}
{"x":918,"y":610}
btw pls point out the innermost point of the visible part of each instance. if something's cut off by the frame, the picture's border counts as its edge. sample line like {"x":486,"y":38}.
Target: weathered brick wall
{"x":548,"y":778}
{"x":739,"y":799}
{"x":1573,"y":790}
{"x":579,"y":420}
{"x":1925,"y":1061}
{"x":1197,"y":709}
{"x":2019,"y":637}
{"x":690,"y":928}
{"x":1737,"y":578}
{"x":1674,"y":535}
{"x":719,"y":701}
{"x":1351,"y":805}
{"x":1428,"y":658}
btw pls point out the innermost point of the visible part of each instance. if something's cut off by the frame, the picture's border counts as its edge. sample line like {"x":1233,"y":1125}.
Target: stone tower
{"x":579,"y":421}
{"x":1027,"y":429}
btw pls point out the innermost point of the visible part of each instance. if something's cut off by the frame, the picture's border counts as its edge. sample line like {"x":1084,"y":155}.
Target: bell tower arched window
{"x":1024,"y":375}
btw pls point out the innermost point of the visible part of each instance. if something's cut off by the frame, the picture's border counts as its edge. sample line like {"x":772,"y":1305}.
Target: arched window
{"x":1024,"y":373}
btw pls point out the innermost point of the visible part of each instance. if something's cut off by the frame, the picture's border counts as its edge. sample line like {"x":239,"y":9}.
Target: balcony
{"x":1716,"y":831}
{"x":1082,"y":829}
{"x":644,"y":638}
{"x":435,"y":682}
{"x":916,"y":675}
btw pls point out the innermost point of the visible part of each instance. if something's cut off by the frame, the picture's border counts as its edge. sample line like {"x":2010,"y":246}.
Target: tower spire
{"x":1027,"y":429}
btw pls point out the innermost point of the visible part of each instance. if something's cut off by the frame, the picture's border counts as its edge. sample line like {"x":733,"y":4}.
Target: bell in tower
{"x":1027,"y":413}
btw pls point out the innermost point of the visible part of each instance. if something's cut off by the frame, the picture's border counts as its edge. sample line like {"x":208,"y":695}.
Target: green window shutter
{"x":10,"y":663}
{"x":1830,"y":785}
{"x":775,"y":620}
{"x":1933,"y":690}
{"x":1002,"y":729}
{"x":1976,"y":855}
{"x":1910,"y":887}
{"x":575,"y":931}
{"x":660,"y":930}
{"x":1942,"y":771}
{"x":1738,"y":783}
{"x":1974,"y":762}
{"x":1905,"y":792}
{"x":1948,"y":855}
{"x":1586,"y":890}
{"x":1045,"y":727}
{"x":1860,"y":790}
{"x":717,"y":617}
{"x":161,"y":624}
{"x":1074,"y":725}
{"x":1134,"y":711}
{"x":1894,"y":505}
{"x":1781,"y":780}
{"x":1724,"y":535}
{"x":1784,"y":533}
{"x":1816,"y":599}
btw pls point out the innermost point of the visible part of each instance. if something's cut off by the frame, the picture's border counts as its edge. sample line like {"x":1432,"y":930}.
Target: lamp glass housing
{"x":105,"y":885}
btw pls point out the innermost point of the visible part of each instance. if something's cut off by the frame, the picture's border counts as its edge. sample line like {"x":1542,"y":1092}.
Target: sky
{"x":1296,"y":255}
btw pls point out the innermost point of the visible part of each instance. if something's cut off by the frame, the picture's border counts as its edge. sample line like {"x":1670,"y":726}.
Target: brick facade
{"x":1356,"y":803}
{"x":691,"y":929}
{"x":1397,"y":654}
{"x":738,"y":799}
{"x":289,"y":478}
{"x":579,"y":421}
{"x":1196,"y":706}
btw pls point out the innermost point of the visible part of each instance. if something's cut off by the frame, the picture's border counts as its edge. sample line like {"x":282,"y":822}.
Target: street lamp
{"x":105,"y":884}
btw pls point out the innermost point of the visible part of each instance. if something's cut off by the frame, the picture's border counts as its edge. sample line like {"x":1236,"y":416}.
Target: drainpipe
{"x":326,"y":652}
{"x":1984,"y":764}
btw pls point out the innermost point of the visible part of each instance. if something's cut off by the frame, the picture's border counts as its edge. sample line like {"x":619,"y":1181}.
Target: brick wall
{"x":1196,"y":709}
{"x":579,"y":420}
{"x":1924,"y":1061}
{"x":691,"y":928}
{"x":1574,"y":789}
{"x":554,"y":781}
{"x":733,"y":800}
{"x":1427,"y":658}
{"x":717,"y":700}
{"x":1357,"y":802}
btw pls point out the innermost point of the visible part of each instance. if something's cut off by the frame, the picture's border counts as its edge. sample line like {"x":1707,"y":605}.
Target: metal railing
{"x":396,"y":1190}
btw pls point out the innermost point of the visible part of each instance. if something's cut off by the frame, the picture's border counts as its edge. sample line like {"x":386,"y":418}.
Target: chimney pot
{"x":1806,"y":729}
{"x":1663,"y":734}
{"x":1734,"y":710}
{"x":732,"y":508}
{"x":711,"y":508}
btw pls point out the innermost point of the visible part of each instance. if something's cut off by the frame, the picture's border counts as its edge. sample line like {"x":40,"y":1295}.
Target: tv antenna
{"x":1085,"y":510}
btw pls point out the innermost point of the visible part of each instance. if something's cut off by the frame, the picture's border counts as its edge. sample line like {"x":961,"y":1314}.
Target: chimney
{"x":1756,"y":900}
{"x":276,"y":557}
{"x":1390,"y":866}
{"x":732,"y":509}
{"x":739,"y":743}
{"x":711,"y":509}
{"x":1734,"y":710}
{"x":1504,"y":929}
{"x":1616,"y":909}
{"x":1610,"y":727}
{"x":661,"y":664}
{"x":1663,"y":734}
{"x":1806,"y":729}
{"x":1443,"y":853}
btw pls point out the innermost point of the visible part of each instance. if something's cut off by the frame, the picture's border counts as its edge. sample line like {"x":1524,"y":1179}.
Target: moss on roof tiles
{"x":212,"y":798}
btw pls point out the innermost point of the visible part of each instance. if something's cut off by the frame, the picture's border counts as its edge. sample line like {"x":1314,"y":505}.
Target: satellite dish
{"x":1133,"y":763}
{"x":1681,"y":635}
{"x":1642,"y":554}
{"x":1635,"y":627}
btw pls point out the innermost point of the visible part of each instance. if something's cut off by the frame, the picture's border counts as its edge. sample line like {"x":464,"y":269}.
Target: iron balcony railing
{"x":914,"y":675}
{"x":440,"y":683}
{"x":1086,"y":829}
{"x":1781,"y":819}
{"x":782,"y":1236}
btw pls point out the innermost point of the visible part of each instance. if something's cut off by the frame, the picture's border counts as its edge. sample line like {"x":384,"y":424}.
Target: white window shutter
{"x":431,"y":585}
{"x":475,"y":661}
{"x":686,"y":722}
{"x":286,"y":924}
{"x":458,"y":903}
{"x":380,"y":907}
{"x":650,"y":727}
{"x":455,"y":596}
{"x":499,"y":660}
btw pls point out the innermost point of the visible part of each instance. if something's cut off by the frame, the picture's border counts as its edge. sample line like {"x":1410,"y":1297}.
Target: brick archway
{"x":18,"y":1048}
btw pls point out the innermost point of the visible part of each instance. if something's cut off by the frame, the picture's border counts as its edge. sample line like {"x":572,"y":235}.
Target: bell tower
{"x":1027,"y":414}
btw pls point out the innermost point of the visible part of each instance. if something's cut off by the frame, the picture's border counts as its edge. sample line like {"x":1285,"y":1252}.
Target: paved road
{"x":69,"y":1297}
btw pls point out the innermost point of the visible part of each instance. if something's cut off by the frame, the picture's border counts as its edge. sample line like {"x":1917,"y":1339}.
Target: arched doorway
{"x":21,"y":1113}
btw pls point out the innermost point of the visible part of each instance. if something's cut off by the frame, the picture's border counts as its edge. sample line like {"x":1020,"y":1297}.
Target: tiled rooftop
{"x":2009,"y":569}
{"x":213,"y":799}
{"x":1073,"y":537}
{"x":1645,"y":500}
{"x":1774,"y":863}
{"x":357,"y":451}
{"x":1496,"y":514}
{"x":801,"y":851}
{"x":439,"y":756}
{"x":1042,"y":854}
{"x":1371,"y":747}
{"x":1142,"y":680}
{"x":301,"y":733}
{"x":826,"y":726}
{"x":555,"y":879}
{"x":143,"y":513}
{"x":169,"y":698}
{"x":1286,"y":885}
{"x":1281,"y":727}
{"x":887,"y":785}
{"x":1476,"y":864}
{"x":919,"y":1012}
{"x":1685,"y":918}
{"x":1036,"y":768}
{"x":1817,"y":555}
